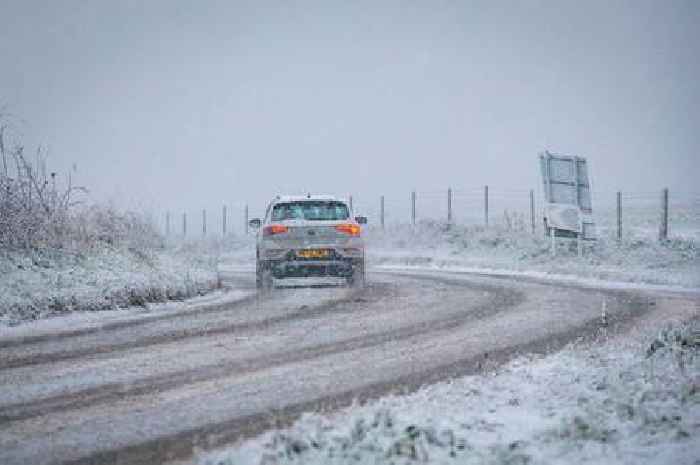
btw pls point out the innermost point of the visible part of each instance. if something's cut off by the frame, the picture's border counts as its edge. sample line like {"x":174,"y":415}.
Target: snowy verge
{"x":627,"y":402}
{"x":86,"y":320}
{"x":50,"y":282}
{"x":639,"y":259}
{"x":542,"y":277}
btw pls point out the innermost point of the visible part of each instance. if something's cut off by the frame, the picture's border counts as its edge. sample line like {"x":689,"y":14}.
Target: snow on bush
{"x":59,"y":254}
{"x":627,"y":403}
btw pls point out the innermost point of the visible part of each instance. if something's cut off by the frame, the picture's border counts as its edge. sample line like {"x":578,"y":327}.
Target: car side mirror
{"x":255,"y":223}
{"x":361,"y":219}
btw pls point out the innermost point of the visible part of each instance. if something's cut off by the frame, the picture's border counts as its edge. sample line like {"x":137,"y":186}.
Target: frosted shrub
{"x":37,"y":211}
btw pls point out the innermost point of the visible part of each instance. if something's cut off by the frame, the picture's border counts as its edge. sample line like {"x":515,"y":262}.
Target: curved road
{"x":155,"y":390}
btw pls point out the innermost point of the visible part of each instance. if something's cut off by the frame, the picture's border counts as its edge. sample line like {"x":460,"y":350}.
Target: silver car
{"x":308,"y":236}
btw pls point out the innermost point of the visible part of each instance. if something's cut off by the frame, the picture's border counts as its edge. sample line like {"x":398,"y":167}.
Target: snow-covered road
{"x":152,"y":390}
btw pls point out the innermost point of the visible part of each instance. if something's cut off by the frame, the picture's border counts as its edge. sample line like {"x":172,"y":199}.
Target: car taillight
{"x":273,"y":229}
{"x":349,"y":229}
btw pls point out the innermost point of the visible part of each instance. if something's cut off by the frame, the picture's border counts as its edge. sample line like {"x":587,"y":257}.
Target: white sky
{"x":181,"y":104}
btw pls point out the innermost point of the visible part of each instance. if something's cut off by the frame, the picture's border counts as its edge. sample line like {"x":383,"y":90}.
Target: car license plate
{"x":313,"y":253}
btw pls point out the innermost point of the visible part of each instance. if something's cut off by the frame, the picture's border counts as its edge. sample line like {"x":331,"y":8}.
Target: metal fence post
{"x":184,"y":225}
{"x":486,"y":206}
{"x":619,"y":216}
{"x":663,"y":229}
{"x":204,"y":222}
{"x":246,"y":220}
{"x":381,"y":210}
{"x":223,"y":220}
{"x":449,"y":206}
{"x":532,"y":210}
{"x":351,"y":207}
{"x":413,"y":208}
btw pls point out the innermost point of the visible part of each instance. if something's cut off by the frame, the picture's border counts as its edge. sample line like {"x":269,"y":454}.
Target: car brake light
{"x":273,"y":229}
{"x":349,"y":229}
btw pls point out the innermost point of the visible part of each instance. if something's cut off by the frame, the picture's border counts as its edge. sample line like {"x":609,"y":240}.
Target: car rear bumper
{"x":312,"y":268}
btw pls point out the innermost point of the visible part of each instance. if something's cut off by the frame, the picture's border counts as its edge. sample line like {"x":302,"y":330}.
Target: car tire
{"x":357,"y":278}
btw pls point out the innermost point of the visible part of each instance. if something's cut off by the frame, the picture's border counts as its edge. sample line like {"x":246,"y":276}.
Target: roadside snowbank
{"x":51,"y":281}
{"x":541,"y":277}
{"x":86,"y":320}
{"x":640,"y":259}
{"x":620,"y":402}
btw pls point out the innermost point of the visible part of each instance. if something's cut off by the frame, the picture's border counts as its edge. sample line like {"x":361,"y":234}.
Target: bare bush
{"x":38,"y":211}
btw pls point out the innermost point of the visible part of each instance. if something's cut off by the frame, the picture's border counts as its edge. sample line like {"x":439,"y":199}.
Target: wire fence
{"x":641,"y":213}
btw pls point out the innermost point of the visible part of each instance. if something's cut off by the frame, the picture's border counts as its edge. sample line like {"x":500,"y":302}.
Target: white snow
{"x":54,"y":282}
{"x":500,"y":250}
{"x":603,"y":404}
{"x":543,"y":276}
{"x":81,"y":320}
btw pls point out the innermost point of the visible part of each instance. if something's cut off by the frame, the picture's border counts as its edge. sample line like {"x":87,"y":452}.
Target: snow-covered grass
{"x":47,"y":282}
{"x":627,"y":402}
{"x":509,"y":246}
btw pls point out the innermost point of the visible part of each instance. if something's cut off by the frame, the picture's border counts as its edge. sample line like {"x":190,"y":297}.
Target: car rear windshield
{"x":310,"y":210}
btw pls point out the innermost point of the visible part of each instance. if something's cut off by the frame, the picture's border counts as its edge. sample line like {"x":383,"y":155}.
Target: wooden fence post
{"x":449,"y":206}
{"x":381,"y":210}
{"x":619,"y":216}
{"x":532,"y":210}
{"x":486,"y":206}
{"x":413,"y":208}
{"x":663,"y":228}
{"x":223,"y":220}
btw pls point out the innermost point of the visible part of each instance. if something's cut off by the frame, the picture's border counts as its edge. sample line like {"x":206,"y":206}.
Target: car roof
{"x":308,"y":197}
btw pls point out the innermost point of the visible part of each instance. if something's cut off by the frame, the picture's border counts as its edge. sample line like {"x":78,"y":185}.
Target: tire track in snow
{"x":371,"y":293}
{"x":500,"y":300}
{"x":189,"y":332}
{"x":185,"y":444}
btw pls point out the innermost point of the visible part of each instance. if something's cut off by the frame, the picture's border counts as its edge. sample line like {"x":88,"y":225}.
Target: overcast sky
{"x":182,"y":104}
